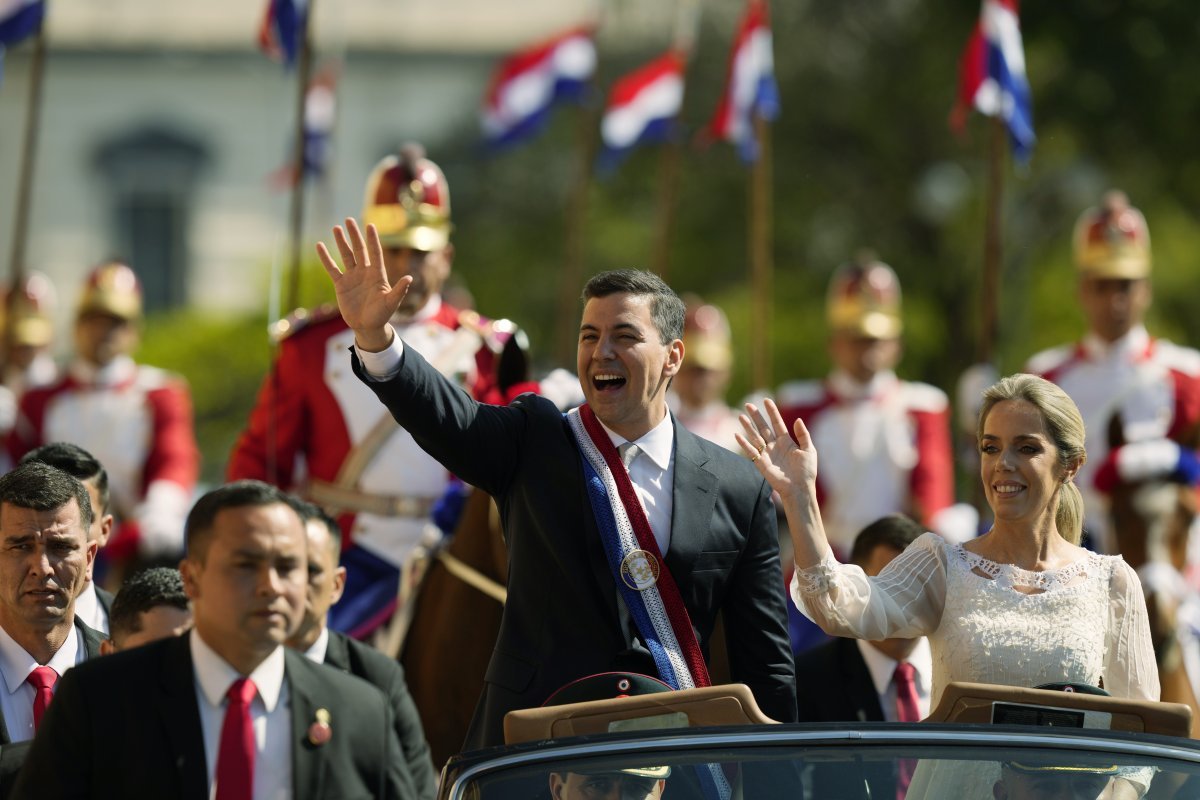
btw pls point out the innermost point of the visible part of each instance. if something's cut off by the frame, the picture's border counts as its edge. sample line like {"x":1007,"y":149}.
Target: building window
{"x":150,"y":177}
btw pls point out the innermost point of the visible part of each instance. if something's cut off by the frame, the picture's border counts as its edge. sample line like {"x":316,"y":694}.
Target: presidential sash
{"x":641,"y":573}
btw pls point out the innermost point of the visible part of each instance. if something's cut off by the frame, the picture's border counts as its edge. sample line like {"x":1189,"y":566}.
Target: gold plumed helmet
{"x":1112,"y":241}
{"x":408,"y":201}
{"x":864,"y":300}
{"x":706,"y":338}
{"x":112,"y":288}
{"x":31,"y":307}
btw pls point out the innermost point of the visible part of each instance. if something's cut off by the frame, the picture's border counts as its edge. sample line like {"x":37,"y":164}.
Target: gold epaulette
{"x":492,"y":331}
{"x":300,"y":319}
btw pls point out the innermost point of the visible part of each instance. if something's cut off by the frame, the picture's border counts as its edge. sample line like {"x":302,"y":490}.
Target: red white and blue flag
{"x":19,"y":19}
{"x":992,"y":75}
{"x":642,"y":107}
{"x":526,"y":85}
{"x":750,"y":88}
{"x":320,"y":115}
{"x":281,"y":30}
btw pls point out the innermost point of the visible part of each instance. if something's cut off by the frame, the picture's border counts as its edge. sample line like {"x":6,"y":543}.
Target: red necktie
{"x":235,"y":756}
{"x":907,"y":710}
{"x":42,"y":679}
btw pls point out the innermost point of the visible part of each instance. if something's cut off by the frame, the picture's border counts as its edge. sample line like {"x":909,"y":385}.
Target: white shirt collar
{"x":1130,"y":347}
{"x":657,"y":443}
{"x":16,"y":663}
{"x":319,"y":647}
{"x":882,"y":667}
{"x":214,"y":674}
{"x":87,"y":608}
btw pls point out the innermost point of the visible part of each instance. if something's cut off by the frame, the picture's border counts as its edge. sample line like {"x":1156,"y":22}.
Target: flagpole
{"x":20,"y":230}
{"x":304,"y":70}
{"x":992,"y":246}
{"x":761,"y":258}
{"x":671,"y":156}
{"x":576,"y":225}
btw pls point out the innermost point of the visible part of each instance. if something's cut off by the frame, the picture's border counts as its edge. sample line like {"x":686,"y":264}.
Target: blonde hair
{"x":1065,"y":426}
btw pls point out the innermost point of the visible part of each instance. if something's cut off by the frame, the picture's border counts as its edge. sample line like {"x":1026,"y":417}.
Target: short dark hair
{"x":148,"y":589}
{"x":893,"y":530}
{"x":41,"y":487}
{"x":311,"y":512}
{"x":198,"y":528}
{"x":74,"y":460}
{"x":666,"y":309}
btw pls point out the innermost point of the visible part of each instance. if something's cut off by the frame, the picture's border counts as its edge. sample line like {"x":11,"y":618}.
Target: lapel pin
{"x":320,"y":732}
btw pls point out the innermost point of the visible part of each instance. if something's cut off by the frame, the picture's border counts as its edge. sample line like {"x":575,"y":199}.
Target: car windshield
{"x":1016,"y":767}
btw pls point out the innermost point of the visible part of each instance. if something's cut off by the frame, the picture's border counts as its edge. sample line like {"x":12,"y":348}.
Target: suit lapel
{"x":859,"y":685}
{"x":307,"y":766}
{"x":181,"y":718}
{"x":337,"y":652}
{"x":692,"y":501}
{"x":91,"y":639}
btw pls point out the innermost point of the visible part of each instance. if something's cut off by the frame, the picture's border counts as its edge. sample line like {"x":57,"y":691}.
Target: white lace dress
{"x":1084,"y":623}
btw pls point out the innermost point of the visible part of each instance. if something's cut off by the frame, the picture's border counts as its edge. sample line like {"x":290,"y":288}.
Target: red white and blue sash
{"x":656,"y":606}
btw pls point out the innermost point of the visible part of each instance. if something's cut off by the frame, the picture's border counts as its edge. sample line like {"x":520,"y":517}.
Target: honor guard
{"x":884,"y":442}
{"x":318,"y":430}
{"x":135,"y":419}
{"x":698,"y":391}
{"x":1118,"y":369}
{"x":28,"y":332}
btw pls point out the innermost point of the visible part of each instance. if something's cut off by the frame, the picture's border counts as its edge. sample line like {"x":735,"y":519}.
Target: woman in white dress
{"x":1021,"y":605}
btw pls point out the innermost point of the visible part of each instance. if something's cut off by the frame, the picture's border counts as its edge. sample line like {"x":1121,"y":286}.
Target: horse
{"x":1153,"y":508}
{"x":456,"y":618}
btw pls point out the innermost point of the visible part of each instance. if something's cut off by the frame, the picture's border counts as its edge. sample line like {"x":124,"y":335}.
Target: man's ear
{"x":556,"y":786}
{"x":674,"y":358}
{"x":339,"y":584}
{"x":106,"y":526}
{"x":107,"y":648}
{"x":189,"y":571}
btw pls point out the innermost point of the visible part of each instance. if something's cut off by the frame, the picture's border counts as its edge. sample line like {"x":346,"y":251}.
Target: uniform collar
{"x":847,"y":387}
{"x":1133,"y":346}
{"x":120,"y":370}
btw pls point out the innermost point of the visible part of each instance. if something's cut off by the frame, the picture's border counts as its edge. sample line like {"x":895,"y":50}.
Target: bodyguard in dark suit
{"x":562,"y":619}
{"x":44,"y":559}
{"x":93,"y":604}
{"x":839,"y":681}
{"x":225,"y":708}
{"x":326,"y":580}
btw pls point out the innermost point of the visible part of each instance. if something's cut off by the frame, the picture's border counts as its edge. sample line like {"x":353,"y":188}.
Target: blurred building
{"x":162,"y":122}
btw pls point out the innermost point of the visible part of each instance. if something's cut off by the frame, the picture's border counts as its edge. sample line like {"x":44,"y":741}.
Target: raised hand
{"x":365,"y":295}
{"x":788,"y":468}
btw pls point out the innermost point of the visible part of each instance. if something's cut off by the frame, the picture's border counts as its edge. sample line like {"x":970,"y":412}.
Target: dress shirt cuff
{"x":386,"y":363}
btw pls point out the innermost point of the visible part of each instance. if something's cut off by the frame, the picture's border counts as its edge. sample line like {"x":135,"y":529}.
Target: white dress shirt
{"x":270,"y":714}
{"x":89,"y":610}
{"x":16,"y":699}
{"x":317,"y":652}
{"x":882,"y":668}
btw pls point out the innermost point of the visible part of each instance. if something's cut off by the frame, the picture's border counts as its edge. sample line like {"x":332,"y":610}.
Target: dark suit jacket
{"x":834,"y":685}
{"x":386,"y":675}
{"x":560,"y":622}
{"x":105,"y":599}
{"x":129,"y":726}
{"x":12,"y":756}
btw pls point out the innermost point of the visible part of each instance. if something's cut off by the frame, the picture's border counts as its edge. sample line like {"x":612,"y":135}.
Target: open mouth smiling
{"x":607,"y":381}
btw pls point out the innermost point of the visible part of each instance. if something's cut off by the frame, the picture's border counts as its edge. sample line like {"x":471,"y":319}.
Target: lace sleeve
{"x":1129,"y":666}
{"x":905,"y":600}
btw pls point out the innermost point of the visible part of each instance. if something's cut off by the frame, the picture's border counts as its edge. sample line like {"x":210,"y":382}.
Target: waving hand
{"x":365,"y":295}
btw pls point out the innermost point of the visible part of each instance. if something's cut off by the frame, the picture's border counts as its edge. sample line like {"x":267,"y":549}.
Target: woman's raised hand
{"x":365,"y":295}
{"x":789,"y":468}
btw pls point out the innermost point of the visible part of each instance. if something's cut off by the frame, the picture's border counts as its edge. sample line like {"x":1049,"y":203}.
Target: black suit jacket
{"x":386,"y":675}
{"x":833,"y":684}
{"x":105,"y":599}
{"x":12,"y":756}
{"x":128,"y":725}
{"x":561,"y":622}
